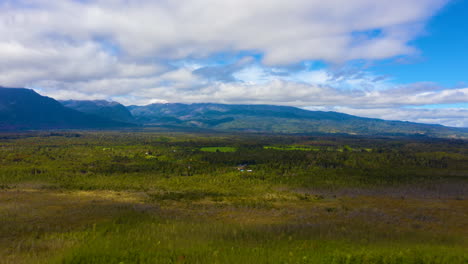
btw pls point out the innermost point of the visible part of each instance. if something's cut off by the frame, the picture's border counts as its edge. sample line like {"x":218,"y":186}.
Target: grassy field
{"x":160,"y":198}
{"x":304,"y":148}
{"x":218,"y":149}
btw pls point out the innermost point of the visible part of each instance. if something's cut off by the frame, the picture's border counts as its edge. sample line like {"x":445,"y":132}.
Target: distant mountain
{"x":110,"y":110}
{"x":25,"y":109}
{"x":278,"y":119}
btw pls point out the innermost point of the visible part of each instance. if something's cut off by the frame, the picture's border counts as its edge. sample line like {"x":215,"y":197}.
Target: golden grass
{"x":33,"y":219}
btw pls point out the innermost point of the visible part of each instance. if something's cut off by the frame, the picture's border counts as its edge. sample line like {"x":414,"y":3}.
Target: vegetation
{"x":22,"y":109}
{"x":218,"y":149}
{"x":153,"y":197}
{"x":279,"y":119}
{"x":104,"y":109}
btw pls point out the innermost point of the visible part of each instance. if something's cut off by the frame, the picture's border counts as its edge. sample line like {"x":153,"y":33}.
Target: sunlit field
{"x":153,"y":197}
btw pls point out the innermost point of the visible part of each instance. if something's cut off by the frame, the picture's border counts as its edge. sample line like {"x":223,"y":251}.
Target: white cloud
{"x":23,"y":65}
{"x":181,"y":85}
{"x":139,"y":52}
{"x":73,"y":40}
{"x":454,"y":117}
{"x":284,"y":31}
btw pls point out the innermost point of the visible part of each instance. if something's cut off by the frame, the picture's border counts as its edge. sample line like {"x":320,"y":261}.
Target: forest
{"x":196,"y":197}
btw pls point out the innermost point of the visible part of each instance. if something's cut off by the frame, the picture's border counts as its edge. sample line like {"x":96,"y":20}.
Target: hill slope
{"x":25,"y":109}
{"x":110,"y":110}
{"x":279,"y":119}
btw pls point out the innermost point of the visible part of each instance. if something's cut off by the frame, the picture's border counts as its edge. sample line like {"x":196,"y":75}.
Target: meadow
{"x":173,"y":197}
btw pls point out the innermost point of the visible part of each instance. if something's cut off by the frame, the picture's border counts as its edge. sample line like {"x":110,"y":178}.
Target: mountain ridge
{"x":280,"y":119}
{"x":22,"y":108}
{"x":105,"y":109}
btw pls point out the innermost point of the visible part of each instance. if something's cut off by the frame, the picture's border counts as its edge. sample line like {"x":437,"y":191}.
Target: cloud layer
{"x":230,"y":51}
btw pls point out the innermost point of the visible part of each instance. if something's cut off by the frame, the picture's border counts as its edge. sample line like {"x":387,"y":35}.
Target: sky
{"x":395,"y":60}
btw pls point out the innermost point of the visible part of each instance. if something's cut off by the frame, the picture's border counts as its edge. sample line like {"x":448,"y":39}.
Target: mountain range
{"x":25,"y":109}
{"x":22,"y":109}
{"x":109,"y":110}
{"x":278,"y":119}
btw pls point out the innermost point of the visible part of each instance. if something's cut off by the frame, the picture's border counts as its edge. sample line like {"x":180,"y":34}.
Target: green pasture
{"x":218,"y":149}
{"x":107,"y":197}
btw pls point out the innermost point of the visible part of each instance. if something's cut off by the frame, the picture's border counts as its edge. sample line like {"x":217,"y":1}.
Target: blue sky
{"x":443,"y":51}
{"x":396,"y":60}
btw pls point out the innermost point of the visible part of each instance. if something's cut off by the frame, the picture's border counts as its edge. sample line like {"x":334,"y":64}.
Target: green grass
{"x":150,"y":198}
{"x":218,"y":149}
{"x":152,"y":240}
{"x":310,"y":148}
{"x":265,"y":226}
{"x":303,"y":148}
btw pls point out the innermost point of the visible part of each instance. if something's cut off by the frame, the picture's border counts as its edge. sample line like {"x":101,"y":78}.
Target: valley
{"x":176,"y":197}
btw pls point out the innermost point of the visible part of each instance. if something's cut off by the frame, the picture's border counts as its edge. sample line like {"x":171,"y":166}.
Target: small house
{"x":243,"y":168}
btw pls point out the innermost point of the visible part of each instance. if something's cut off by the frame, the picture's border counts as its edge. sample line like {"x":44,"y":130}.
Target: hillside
{"x":278,"y":119}
{"x":25,"y":109}
{"x":110,"y":110}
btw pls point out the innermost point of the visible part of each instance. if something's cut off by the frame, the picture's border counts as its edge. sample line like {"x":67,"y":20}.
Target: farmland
{"x":166,"y":197}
